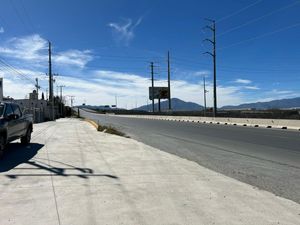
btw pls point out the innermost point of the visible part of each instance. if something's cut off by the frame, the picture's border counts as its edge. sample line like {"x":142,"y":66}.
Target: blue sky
{"x":102,"y":49}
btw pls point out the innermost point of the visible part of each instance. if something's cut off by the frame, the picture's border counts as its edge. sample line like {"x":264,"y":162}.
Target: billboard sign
{"x":159,"y":93}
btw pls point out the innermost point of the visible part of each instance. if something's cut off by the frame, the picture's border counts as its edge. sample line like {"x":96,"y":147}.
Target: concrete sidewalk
{"x":72,"y":174}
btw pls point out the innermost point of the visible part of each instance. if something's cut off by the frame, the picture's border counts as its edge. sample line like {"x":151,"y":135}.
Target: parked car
{"x":14,"y":125}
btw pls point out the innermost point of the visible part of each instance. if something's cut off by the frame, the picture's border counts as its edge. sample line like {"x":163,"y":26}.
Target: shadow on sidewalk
{"x":17,"y":154}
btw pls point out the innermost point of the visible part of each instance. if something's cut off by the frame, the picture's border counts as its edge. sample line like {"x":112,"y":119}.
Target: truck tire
{"x":26,"y":139}
{"x":2,"y":145}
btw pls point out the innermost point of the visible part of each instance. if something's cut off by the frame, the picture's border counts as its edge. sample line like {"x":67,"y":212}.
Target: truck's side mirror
{"x":11,"y":117}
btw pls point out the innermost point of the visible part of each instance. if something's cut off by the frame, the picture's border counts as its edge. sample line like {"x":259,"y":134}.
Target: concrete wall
{"x":40,"y":109}
{"x":268,"y":123}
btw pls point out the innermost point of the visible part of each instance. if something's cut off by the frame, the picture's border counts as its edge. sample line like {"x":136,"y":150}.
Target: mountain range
{"x":275,"y":104}
{"x":177,"y":105}
{"x":180,"y":105}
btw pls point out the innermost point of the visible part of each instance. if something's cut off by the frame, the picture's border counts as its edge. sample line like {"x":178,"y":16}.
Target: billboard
{"x":159,"y":93}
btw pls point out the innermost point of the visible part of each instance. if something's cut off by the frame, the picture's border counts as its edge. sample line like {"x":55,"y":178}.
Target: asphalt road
{"x":268,"y":159}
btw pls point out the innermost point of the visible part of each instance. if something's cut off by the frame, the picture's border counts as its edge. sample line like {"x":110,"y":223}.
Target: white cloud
{"x":25,"y":48}
{"x":73,"y":57}
{"x":124,"y":32}
{"x":203,"y":73}
{"x":33,"y":48}
{"x":242,"y":81}
{"x":100,"y":87}
{"x":252,"y":87}
{"x":1,"y":30}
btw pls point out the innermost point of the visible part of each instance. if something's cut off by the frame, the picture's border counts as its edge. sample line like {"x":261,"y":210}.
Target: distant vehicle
{"x":14,"y":125}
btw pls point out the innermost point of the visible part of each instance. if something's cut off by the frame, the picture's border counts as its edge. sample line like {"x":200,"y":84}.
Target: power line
{"x":125,"y":57}
{"x":23,"y":76}
{"x":238,"y":11}
{"x":27,"y":15}
{"x":19,"y":16}
{"x":261,"y":36}
{"x":258,"y":18}
{"x":11,"y":68}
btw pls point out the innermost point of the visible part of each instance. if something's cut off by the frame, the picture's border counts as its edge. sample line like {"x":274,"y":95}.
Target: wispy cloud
{"x":203,"y":73}
{"x":25,"y":48}
{"x":33,"y":49}
{"x":1,"y":30}
{"x":74,"y":57}
{"x":242,"y":81}
{"x":124,"y":32}
{"x":252,"y":87}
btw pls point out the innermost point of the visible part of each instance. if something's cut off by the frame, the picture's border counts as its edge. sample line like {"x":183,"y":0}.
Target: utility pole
{"x":159,"y":105}
{"x":61,"y":89}
{"x":152,"y":84}
{"x":116,"y":101}
{"x":169,"y":82}
{"x":214,"y":55}
{"x":204,"y":92}
{"x":72,"y":100}
{"x":51,"y":99}
{"x":37,"y":86}
{"x":50,"y":72}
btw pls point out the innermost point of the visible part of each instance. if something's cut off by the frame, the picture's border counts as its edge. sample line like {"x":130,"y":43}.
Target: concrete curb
{"x":93,"y":123}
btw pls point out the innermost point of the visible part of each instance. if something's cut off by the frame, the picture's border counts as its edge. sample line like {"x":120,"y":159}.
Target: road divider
{"x":252,"y":122}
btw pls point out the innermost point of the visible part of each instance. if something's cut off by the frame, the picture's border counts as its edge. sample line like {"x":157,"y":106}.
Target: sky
{"x":102,"y":49}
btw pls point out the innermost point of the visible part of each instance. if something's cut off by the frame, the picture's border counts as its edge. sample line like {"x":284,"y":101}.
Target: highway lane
{"x":266,"y":158}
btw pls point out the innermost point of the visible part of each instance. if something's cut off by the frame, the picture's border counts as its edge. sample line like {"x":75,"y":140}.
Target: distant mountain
{"x":275,"y":104}
{"x":177,"y":105}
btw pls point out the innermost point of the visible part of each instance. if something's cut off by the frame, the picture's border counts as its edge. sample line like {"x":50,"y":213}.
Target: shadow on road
{"x":17,"y":154}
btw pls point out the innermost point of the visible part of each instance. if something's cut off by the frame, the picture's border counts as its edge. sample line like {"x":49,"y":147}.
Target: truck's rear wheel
{"x":2,"y":146}
{"x":26,"y":139}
